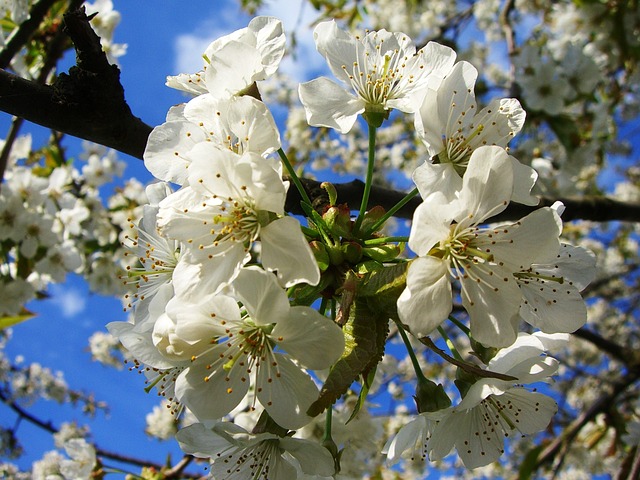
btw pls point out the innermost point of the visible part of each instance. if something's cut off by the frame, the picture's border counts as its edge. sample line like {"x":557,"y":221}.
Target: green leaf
{"x":381,"y":288}
{"x":6,"y":322}
{"x":365,"y":386}
{"x":529,"y":463}
{"x":365,"y":336}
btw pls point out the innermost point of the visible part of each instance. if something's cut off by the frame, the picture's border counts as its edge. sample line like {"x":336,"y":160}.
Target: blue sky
{"x":163,"y":38}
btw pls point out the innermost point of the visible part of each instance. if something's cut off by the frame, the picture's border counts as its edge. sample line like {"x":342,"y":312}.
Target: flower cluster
{"x":225,"y":281}
{"x":53,"y":222}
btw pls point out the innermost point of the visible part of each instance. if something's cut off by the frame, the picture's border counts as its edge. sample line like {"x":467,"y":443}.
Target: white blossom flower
{"x":160,"y":422}
{"x":230,"y":202}
{"x":235,"y":61}
{"x":450,"y":243}
{"x":82,"y":460}
{"x":451,"y":127}
{"x":383,"y":69}
{"x":237,"y":454}
{"x":249,"y":349}
{"x":491,"y":409}
{"x":157,"y":256}
{"x":239,"y":124}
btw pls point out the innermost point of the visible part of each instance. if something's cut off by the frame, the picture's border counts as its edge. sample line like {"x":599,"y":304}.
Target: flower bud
{"x":352,"y":252}
{"x":372,"y":216}
{"x":338,"y":219}
{"x":320,"y":253}
{"x":382,"y":253}
{"x":430,"y":397}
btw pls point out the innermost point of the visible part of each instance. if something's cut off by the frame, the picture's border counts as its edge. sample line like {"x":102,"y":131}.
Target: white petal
{"x":208,"y":270}
{"x":314,"y":340}
{"x":426,"y":301}
{"x":439,"y":59}
{"x":226,"y":76}
{"x":530,"y":412}
{"x":286,"y":251}
{"x":264,"y":299}
{"x":552,"y":307}
{"x":269,"y":40}
{"x":139,"y":345}
{"x":431,"y":225}
{"x":533,"y":239}
{"x":409,"y":435}
{"x":576,"y":265}
{"x":492,"y":298}
{"x":337,"y":47}
{"x":227,"y":387}
{"x":314,"y":459}
{"x":329,"y":105}
{"x":165,"y":155}
{"x":286,"y":392}
{"x":502,"y":119}
{"x":201,"y":442}
{"x":442,"y":178}
{"x":524,"y":178}
{"x":487,"y":184}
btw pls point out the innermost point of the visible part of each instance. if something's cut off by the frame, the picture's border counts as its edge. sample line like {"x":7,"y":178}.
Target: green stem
{"x":392,"y":211}
{"x":294,"y":176}
{"x":460,"y":325}
{"x":369,"y":180}
{"x":412,"y":355}
{"x":450,"y":344}
{"x":383,"y":240}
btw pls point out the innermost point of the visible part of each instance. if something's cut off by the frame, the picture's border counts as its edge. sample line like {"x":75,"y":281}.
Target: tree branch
{"x":88,"y":102}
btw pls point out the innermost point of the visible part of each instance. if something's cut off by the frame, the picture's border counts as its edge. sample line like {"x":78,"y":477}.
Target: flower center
{"x":378,"y":78}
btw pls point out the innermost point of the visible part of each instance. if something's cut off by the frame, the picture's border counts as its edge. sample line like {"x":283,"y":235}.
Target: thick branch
{"x":88,"y":102}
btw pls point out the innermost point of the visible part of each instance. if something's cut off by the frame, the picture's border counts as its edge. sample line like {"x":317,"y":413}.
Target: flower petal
{"x":315,"y":341}
{"x":285,"y":250}
{"x":286,"y":392}
{"x":426,"y":301}
{"x":329,"y":105}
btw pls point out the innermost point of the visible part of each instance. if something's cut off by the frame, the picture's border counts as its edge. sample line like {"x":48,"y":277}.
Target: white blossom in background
{"x":260,"y":46}
{"x":104,"y":24}
{"x":383,"y":69}
{"x":82,"y":459}
{"x":48,"y":468}
{"x":161,"y":423}
{"x":67,"y":431}
{"x":102,"y":347}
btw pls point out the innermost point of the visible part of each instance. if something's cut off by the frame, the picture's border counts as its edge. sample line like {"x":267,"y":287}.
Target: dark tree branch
{"x":88,"y":102}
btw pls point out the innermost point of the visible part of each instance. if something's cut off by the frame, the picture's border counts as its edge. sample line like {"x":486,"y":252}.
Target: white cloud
{"x":69,"y":300}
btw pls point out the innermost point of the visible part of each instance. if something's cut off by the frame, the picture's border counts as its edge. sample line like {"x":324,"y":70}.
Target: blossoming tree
{"x":469,"y":305}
